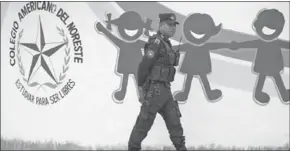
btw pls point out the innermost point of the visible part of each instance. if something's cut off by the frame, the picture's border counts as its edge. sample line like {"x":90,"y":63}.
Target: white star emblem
{"x":41,"y":52}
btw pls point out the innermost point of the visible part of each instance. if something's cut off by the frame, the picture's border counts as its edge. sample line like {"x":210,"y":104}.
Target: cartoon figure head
{"x":130,"y":25}
{"x":269,"y":24}
{"x":198,"y":28}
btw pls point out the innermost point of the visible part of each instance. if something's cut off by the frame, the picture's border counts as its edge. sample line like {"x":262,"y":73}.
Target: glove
{"x":141,"y":94}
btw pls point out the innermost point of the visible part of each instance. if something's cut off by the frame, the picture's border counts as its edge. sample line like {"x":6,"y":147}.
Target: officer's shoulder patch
{"x":157,"y":41}
{"x":150,"y":54}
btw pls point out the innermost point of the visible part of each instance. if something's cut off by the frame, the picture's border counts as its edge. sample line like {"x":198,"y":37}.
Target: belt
{"x":166,"y":83}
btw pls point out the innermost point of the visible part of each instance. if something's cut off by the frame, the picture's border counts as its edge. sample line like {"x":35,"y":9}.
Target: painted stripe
{"x":237,"y":16}
{"x":225,"y":35}
{"x":213,"y":55}
{"x":233,"y":69}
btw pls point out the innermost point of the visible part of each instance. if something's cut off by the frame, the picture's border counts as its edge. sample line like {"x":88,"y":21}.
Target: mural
{"x":69,"y":72}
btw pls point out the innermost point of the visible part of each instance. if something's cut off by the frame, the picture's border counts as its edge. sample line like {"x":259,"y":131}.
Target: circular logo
{"x":44,"y":45}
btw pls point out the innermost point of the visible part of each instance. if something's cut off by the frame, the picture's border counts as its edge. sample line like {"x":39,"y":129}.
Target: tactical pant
{"x":158,"y":99}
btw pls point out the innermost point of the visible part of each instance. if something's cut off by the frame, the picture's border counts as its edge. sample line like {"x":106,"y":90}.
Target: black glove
{"x":141,"y":94}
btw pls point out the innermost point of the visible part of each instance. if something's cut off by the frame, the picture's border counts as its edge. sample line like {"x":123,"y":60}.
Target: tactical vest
{"x":163,"y":68}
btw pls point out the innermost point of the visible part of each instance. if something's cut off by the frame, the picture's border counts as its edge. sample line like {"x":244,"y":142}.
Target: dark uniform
{"x":155,"y":72}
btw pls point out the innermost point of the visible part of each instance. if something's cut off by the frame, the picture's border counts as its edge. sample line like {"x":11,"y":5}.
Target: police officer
{"x":156,"y":71}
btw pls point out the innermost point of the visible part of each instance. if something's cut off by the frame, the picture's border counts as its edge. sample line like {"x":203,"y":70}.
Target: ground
{"x":17,"y":144}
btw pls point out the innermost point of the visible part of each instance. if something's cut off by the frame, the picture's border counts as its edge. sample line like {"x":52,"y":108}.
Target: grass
{"x":17,"y":144}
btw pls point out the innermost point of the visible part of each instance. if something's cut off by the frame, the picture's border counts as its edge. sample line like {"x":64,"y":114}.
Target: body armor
{"x":163,"y":69}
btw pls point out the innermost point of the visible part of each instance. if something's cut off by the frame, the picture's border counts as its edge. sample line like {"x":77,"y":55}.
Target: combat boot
{"x":134,"y":149}
{"x":182,"y":148}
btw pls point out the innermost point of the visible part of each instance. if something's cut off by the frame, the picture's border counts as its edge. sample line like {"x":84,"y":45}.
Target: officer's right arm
{"x":148,"y":60}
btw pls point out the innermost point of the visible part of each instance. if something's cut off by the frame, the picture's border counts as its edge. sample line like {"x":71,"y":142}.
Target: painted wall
{"x":86,"y":111}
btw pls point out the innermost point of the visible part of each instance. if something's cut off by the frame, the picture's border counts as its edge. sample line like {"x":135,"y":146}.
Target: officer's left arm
{"x":215,"y":46}
{"x":283,"y":44}
{"x":147,"y":61}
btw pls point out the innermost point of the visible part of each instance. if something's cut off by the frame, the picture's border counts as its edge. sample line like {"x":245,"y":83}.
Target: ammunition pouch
{"x":162,"y":73}
{"x":172,"y":56}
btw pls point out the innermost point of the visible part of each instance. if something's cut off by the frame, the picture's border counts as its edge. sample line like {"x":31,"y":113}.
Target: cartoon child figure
{"x":130,"y":27}
{"x":198,"y":29}
{"x":268,"y":25}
